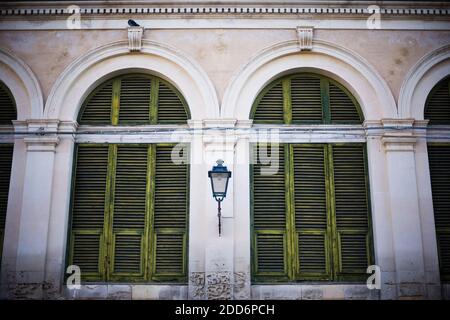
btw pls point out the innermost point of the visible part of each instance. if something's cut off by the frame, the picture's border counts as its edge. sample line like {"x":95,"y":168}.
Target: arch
{"x":437,"y":106}
{"x":100,"y":105}
{"x":319,"y":87}
{"x":90,"y":70}
{"x":23,"y":85}
{"x":340,"y":64}
{"x":421,"y":78}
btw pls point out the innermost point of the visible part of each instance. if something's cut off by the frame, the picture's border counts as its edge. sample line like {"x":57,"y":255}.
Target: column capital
{"x":399,"y":123}
{"x":42,"y":125}
{"x":219,"y":123}
{"x":399,"y":134}
{"x":399,"y":143}
{"x":41,"y":144}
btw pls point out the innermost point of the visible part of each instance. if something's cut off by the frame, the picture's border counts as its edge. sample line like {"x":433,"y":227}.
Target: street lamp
{"x":219,"y":176}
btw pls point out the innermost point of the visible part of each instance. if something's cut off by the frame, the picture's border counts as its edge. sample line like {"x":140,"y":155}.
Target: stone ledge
{"x":127,"y":292}
{"x":314,"y":292}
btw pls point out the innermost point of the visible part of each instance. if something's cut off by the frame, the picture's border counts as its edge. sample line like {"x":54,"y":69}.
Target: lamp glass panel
{"x":219,"y":181}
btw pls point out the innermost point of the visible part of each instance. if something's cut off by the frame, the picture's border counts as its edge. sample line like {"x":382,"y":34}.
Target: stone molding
{"x":428,"y":70}
{"x":185,"y":73}
{"x":398,"y":135}
{"x":33,"y":106}
{"x":222,"y":10}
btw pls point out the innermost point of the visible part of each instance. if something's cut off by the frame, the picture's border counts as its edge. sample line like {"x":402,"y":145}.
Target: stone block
{"x":119,"y":292}
{"x":311,"y":292}
{"x":90,"y":291}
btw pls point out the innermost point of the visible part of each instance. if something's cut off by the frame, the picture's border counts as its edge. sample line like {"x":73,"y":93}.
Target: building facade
{"x":333,"y":117}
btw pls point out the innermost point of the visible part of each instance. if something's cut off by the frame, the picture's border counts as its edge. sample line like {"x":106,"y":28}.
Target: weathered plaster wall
{"x":222,"y":52}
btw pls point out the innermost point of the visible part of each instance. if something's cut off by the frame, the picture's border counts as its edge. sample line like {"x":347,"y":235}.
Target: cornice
{"x":10,"y":9}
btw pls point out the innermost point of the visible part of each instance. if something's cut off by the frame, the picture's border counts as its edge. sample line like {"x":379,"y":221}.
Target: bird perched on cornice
{"x":133,"y":23}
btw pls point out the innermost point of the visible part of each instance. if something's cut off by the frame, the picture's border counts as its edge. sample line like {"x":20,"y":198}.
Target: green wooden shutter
{"x":311,"y":220}
{"x":7,"y":106}
{"x":269,"y":107}
{"x":171,"y":109}
{"x":97,"y":108}
{"x":342,"y":106}
{"x":439,"y":159}
{"x":135,"y":99}
{"x":269,"y":214}
{"x":88,"y":210}
{"x":170,"y":215}
{"x":130,"y":212}
{"x":437,"y":106}
{"x":311,"y":215}
{"x":134,"y":107}
{"x":306,"y":98}
{"x":6,"y":154}
{"x":351,"y":211}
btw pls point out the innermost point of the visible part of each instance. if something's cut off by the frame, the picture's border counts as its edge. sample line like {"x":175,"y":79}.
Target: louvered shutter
{"x":170,"y":214}
{"x":269,"y":213}
{"x":88,"y":210}
{"x":129,"y":215}
{"x":351,"y":210}
{"x":6,"y":154}
{"x":134,"y":106}
{"x":270,"y":107}
{"x":342,"y":107}
{"x":437,"y":107}
{"x":311,"y":216}
{"x":7,"y":106}
{"x":97,"y":108}
{"x":306,"y":99}
{"x":439,"y":159}
{"x":171,"y":109}
{"x":135,"y":99}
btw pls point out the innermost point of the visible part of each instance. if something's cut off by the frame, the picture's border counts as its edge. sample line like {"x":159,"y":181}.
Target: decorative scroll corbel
{"x":305,"y":38}
{"x":135,"y":38}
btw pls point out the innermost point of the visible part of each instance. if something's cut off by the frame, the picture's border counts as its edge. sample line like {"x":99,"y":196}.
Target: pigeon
{"x":133,"y":23}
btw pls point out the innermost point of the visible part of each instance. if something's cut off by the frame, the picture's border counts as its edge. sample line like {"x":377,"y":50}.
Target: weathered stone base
{"x":216,"y":290}
{"x":128,"y":292}
{"x":314,"y":292}
{"x":96,"y":291}
{"x":445,"y":291}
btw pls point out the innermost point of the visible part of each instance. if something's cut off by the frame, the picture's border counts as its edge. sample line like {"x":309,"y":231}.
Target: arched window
{"x":437,"y":111}
{"x":7,"y":114}
{"x":8,"y":110}
{"x":305,"y":99}
{"x":130,"y":201}
{"x":437,"y":105}
{"x":134,"y":99}
{"x":311,"y":216}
